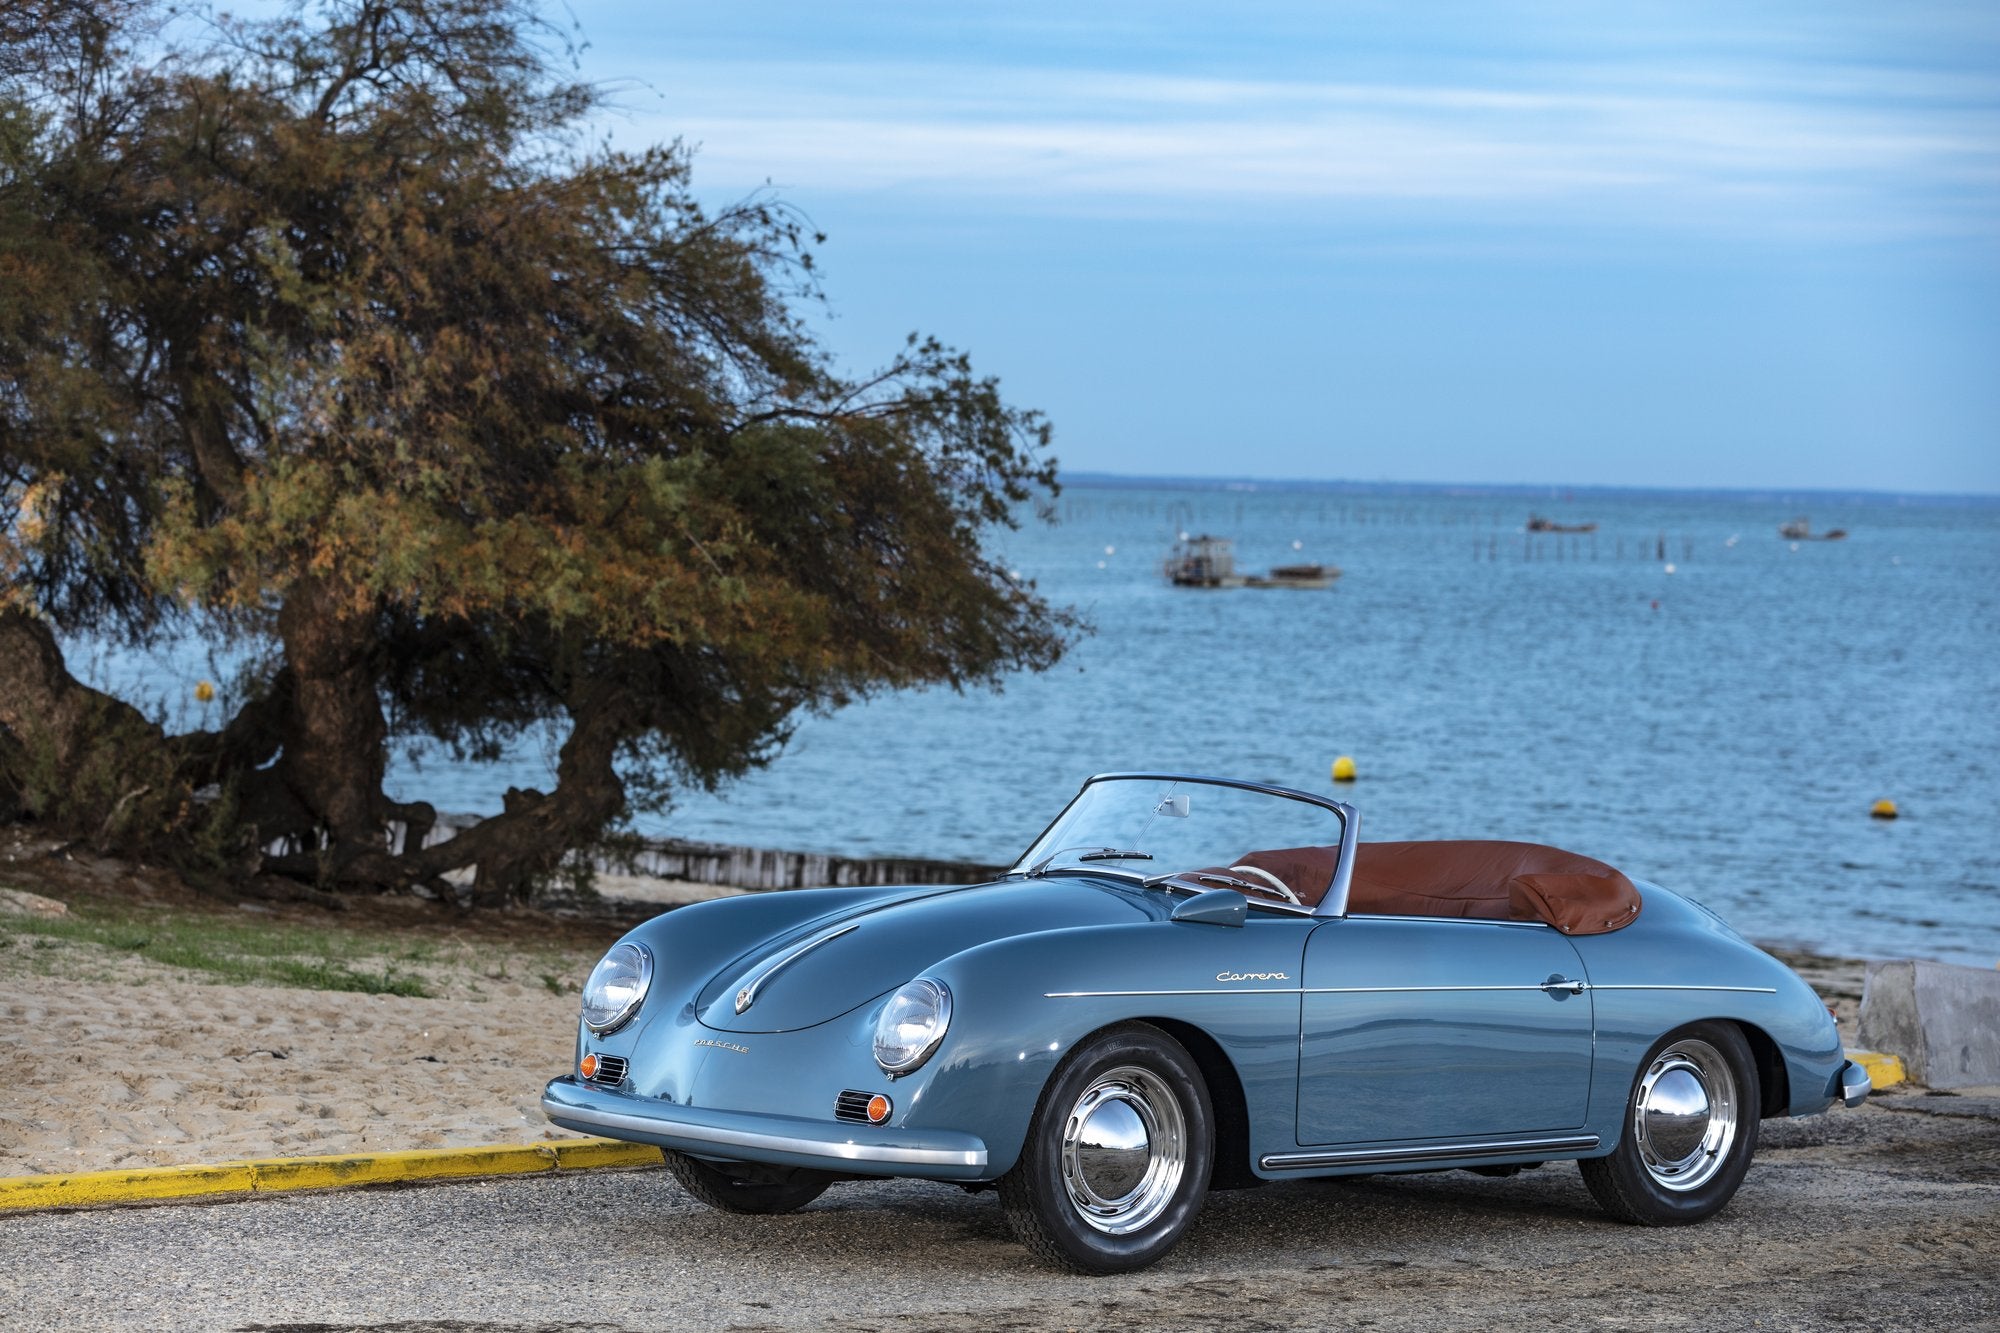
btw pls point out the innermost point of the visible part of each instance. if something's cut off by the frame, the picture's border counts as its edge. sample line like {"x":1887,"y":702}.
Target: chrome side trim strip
{"x":746,"y":994}
{"x":1659,"y":985}
{"x":1275,"y":990}
{"x":1378,"y":990}
{"x":1233,"y":990}
{"x":1541,"y":985}
{"x":1294,"y":1161}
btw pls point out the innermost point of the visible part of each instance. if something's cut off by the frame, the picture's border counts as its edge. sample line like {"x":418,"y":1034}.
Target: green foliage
{"x":330,"y":331}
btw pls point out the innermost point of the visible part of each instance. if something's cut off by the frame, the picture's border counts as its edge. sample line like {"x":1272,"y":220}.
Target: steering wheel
{"x":1283,"y":889}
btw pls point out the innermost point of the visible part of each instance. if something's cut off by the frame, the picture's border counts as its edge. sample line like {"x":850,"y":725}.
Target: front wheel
{"x":1117,"y":1160}
{"x":1690,"y":1129}
{"x":748,"y":1189}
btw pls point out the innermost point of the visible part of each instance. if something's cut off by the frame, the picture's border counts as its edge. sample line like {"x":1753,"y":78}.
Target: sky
{"x":1692,"y":244}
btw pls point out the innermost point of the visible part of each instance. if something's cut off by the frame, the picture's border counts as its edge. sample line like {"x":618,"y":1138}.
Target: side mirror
{"x":1217,"y":907}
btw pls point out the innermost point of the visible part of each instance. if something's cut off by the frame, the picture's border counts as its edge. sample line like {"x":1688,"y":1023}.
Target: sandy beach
{"x":162,"y":1072}
{"x":116,"y":1061}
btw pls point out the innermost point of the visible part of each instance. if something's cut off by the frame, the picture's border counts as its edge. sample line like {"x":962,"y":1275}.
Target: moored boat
{"x":1536,"y":523}
{"x":1296,"y":576}
{"x":1203,"y":562}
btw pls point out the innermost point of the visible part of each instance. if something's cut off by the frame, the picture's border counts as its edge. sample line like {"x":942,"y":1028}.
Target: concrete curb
{"x":271,"y":1175}
{"x":1943,"y":1019}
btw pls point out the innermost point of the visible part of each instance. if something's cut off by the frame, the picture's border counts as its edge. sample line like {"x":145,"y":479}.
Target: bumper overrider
{"x":778,"y":1140}
{"x":1855,"y":1084}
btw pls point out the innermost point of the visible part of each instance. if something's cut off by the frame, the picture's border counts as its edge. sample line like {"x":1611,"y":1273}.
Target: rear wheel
{"x":1117,"y":1160}
{"x":1690,"y":1130}
{"x":740,"y":1187}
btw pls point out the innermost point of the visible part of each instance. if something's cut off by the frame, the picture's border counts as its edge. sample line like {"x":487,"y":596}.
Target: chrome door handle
{"x":1560,"y":983}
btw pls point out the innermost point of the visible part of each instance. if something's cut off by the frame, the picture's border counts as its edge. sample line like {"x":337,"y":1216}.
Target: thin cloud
{"x":1889,"y":152}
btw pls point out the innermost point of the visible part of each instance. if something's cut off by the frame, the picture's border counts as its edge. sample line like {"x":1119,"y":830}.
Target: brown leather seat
{"x":1494,"y":881}
{"x":1484,"y":880}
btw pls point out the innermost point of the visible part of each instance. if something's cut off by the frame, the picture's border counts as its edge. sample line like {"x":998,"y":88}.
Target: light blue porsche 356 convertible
{"x":1189,"y":983}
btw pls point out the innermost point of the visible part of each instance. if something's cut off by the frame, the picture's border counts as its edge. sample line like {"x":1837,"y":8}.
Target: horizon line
{"x":1087,"y":478}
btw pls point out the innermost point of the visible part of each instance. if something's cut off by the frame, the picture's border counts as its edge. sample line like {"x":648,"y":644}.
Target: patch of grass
{"x":240,"y":953}
{"x":321,"y":976}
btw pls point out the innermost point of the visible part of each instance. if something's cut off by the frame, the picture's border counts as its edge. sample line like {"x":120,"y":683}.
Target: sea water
{"x":1682,"y":693}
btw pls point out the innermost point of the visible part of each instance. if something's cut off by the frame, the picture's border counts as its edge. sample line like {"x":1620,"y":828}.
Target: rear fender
{"x":1679,"y":964}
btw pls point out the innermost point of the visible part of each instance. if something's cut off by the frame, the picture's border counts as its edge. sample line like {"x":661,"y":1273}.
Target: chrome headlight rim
{"x":643,"y":962}
{"x":938,"y":996}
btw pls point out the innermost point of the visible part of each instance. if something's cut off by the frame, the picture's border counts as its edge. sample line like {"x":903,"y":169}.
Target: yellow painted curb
{"x":314,"y":1173}
{"x":1884,"y":1071}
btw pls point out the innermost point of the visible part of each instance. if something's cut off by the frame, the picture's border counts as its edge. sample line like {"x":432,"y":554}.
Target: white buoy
{"x":1111,"y":550}
{"x":1670,"y":567}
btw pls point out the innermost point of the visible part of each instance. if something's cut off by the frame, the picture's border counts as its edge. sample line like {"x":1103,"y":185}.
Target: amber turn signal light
{"x":588,"y":1066}
{"x":878,"y":1109}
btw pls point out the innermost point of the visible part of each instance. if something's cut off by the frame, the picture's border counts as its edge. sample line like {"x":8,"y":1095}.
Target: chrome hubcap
{"x":1124,"y":1150}
{"x":1684,"y":1115}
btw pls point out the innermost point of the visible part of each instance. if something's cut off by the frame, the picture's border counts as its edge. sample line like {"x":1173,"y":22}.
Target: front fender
{"x":1021,"y":1004}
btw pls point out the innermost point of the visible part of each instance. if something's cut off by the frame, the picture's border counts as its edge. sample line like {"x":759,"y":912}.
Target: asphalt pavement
{"x":1885,"y":1217}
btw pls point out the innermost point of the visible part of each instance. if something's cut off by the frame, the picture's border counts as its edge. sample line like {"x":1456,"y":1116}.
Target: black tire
{"x":772,"y":1190}
{"x":1118,"y":1156}
{"x":1690,"y":1130}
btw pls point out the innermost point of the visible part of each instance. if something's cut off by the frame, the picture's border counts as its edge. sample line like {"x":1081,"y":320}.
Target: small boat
{"x":1203,"y":562}
{"x":1536,"y":523}
{"x":1296,"y":576}
{"x":1800,"y":530}
{"x":1210,"y":562}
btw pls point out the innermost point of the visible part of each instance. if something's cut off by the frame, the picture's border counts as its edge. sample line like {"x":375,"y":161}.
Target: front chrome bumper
{"x":1855,"y":1085}
{"x":779,"y":1140}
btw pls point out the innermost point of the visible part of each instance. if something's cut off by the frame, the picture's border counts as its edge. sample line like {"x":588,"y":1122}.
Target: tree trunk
{"x":84,"y":761}
{"x":529,"y":838}
{"x":334,"y":733}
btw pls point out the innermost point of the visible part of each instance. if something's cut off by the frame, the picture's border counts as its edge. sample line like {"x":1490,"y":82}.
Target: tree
{"x":325,"y":333}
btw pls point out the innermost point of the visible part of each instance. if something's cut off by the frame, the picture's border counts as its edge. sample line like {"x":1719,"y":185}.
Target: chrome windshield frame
{"x":1333,"y":904}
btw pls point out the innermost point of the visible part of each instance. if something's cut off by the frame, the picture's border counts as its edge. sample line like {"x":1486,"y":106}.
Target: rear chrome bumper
{"x":1855,"y":1085}
{"x":748,"y":1136}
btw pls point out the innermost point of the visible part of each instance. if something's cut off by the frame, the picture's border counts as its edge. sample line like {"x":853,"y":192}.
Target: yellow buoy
{"x":1883,"y":809}
{"x":1343,"y":768}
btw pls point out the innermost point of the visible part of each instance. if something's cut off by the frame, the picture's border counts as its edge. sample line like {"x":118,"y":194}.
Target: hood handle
{"x":746,"y":994}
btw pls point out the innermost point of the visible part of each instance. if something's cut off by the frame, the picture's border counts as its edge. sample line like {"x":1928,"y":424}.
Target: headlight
{"x":911,"y":1026}
{"x":617,"y":987}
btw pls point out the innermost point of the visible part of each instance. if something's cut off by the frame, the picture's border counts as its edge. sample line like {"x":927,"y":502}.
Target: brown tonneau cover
{"x":1494,"y":881}
{"x":1485,"y":880}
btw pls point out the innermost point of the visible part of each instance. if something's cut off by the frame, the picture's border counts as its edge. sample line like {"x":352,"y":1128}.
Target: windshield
{"x":1200,"y":834}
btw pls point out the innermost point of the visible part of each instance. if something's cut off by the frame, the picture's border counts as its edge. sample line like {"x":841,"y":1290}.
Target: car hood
{"x":822,"y":968}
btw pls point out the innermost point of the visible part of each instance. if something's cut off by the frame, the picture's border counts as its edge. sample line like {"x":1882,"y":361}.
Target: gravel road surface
{"x":1885,"y":1217}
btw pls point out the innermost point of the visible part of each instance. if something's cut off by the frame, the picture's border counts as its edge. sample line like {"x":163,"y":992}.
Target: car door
{"x":1422,"y":1027}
